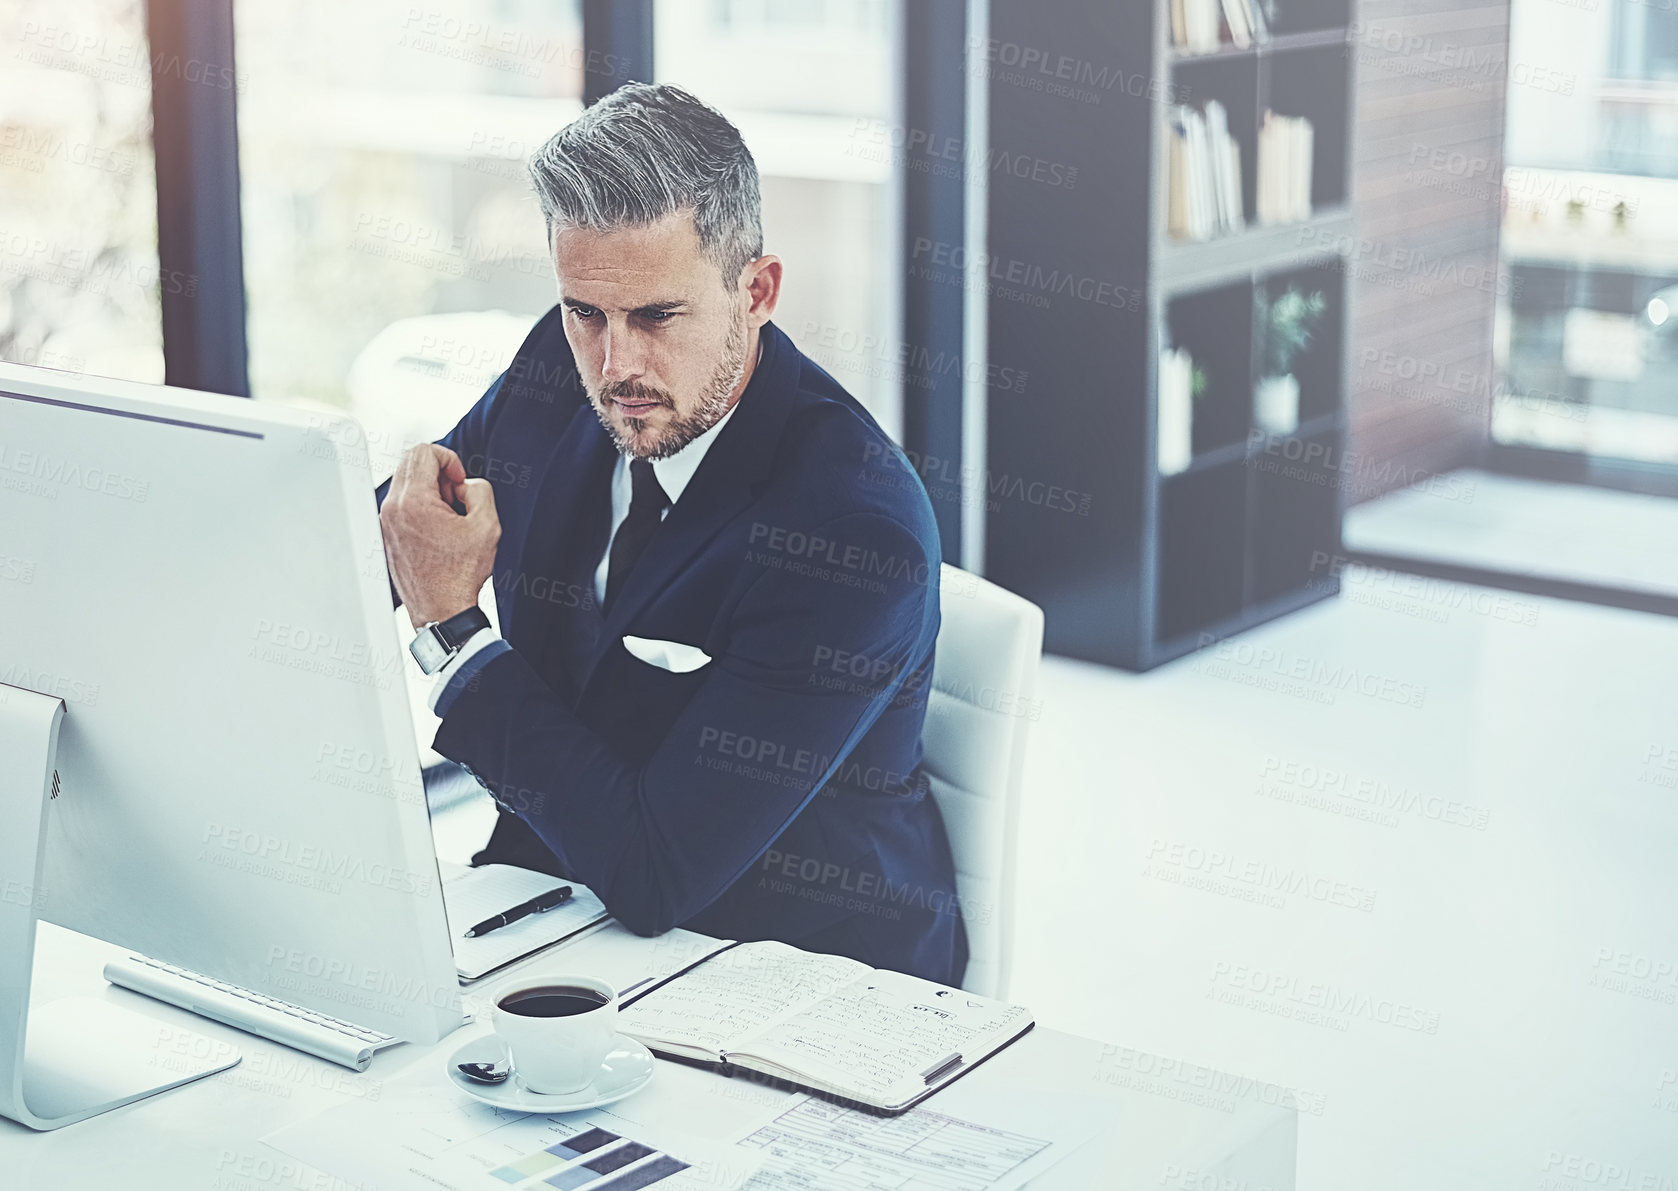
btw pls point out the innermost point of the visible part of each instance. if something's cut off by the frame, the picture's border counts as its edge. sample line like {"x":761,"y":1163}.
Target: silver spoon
{"x":486,"y":1072}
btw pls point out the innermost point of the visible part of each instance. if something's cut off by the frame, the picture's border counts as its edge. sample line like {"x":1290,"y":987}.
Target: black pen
{"x":547,"y":901}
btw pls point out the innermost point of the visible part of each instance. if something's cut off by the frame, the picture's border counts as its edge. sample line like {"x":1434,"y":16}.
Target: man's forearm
{"x":660,"y":841}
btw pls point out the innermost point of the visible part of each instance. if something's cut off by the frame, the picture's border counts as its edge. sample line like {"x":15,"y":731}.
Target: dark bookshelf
{"x":1149,"y":566}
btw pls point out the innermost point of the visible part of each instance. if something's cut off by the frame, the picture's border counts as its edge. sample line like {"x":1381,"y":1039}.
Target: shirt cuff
{"x":480,"y":649}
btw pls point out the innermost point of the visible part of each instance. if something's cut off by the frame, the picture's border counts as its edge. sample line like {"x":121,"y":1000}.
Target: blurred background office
{"x":1308,"y":361}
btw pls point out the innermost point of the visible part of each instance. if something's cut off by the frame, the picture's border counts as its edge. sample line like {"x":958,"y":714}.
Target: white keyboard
{"x":317,"y":1033}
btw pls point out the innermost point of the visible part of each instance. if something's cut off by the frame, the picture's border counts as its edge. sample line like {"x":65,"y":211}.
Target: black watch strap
{"x":458,"y":629}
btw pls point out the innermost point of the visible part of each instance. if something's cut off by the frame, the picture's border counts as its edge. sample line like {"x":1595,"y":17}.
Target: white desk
{"x":1171,"y":1126}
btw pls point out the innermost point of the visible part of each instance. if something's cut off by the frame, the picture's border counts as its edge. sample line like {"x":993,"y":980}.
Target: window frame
{"x":200,"y":244}
{"x":200,"y":236}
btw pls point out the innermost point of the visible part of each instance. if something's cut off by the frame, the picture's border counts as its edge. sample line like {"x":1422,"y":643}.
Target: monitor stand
{"x":72,"y":1058}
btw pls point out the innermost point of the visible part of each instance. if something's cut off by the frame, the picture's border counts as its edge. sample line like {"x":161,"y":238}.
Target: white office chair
{"x":979,"y":711}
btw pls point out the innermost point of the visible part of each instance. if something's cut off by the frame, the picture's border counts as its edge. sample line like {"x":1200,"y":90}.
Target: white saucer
{"x":626,"y":1070}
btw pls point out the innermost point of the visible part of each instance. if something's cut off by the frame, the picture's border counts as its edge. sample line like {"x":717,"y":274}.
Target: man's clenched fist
{"x":438,"y":559}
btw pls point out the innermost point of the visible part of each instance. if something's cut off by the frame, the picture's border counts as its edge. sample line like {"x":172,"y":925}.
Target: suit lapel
{"x":577,"y":470}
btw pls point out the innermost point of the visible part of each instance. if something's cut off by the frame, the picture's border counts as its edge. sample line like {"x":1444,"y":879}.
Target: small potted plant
{"x":1287,"y":324}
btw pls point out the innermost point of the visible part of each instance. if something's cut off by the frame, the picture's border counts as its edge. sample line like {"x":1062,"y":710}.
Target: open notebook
{"x":876,"y":1040}
{"x":471,"y":895}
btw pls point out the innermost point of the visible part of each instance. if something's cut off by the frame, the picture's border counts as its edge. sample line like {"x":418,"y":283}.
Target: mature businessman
{"x":717,"y":577}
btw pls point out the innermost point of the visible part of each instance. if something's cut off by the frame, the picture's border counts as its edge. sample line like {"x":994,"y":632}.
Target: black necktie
{"x":646,"y":509}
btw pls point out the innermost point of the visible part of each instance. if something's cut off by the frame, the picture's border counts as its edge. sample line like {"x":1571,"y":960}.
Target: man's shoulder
{"x":835,"y":460}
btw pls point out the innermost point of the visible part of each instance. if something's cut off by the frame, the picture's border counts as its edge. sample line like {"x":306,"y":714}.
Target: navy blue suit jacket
{"x":775,"y":792}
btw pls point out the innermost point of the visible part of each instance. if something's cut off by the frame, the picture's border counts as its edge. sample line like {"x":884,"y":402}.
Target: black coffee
{"x":558,"y":1001}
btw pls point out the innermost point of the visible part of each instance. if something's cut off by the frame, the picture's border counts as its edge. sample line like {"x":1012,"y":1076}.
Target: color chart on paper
{"x":423,"y":1134}
{"x":596,"y":1159}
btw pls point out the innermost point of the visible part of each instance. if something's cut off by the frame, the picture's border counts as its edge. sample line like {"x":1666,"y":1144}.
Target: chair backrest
{"x":981,"y":706}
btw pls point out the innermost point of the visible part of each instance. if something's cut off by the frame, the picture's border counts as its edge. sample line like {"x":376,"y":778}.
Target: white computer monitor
{"x":201,"y":579}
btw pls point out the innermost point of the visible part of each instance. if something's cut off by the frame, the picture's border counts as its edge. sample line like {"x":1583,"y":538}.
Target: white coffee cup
{"x":559,"y":1030}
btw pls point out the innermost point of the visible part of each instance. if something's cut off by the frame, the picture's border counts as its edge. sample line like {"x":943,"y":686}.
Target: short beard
{"x":713,"y":404}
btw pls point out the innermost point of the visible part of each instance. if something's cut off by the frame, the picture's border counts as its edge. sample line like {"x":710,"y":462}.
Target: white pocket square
{"x":667,"y":655}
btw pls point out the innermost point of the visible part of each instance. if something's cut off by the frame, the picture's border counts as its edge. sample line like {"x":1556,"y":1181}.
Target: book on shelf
{"x":1285,"y":147}
{"x":1239,"y":22}
{"x":1226,"y":167}
{"x":1201,"y":26}
{"x":1203,"y":184}
{"x":872,"y":1039}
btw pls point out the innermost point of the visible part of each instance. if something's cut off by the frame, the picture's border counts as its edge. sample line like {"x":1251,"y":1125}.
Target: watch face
{"x":428,"y":651}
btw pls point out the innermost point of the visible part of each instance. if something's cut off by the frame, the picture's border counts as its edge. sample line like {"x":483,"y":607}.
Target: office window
{"x":1645,"y":42}
{"x":394,"y":252}
{"x":1588,"y":320}
{"x":78,"y":198}
{"x":808,"y":83}
{"x":864,"y":17}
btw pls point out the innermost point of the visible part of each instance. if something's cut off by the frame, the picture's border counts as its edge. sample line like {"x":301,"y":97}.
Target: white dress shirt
{"x":673,"y":472}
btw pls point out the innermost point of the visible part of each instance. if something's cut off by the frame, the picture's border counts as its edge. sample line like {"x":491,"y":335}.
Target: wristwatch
{"x":440,"y":640}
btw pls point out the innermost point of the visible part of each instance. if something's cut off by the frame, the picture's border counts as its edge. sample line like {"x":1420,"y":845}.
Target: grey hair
{"x":646,"y":151}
